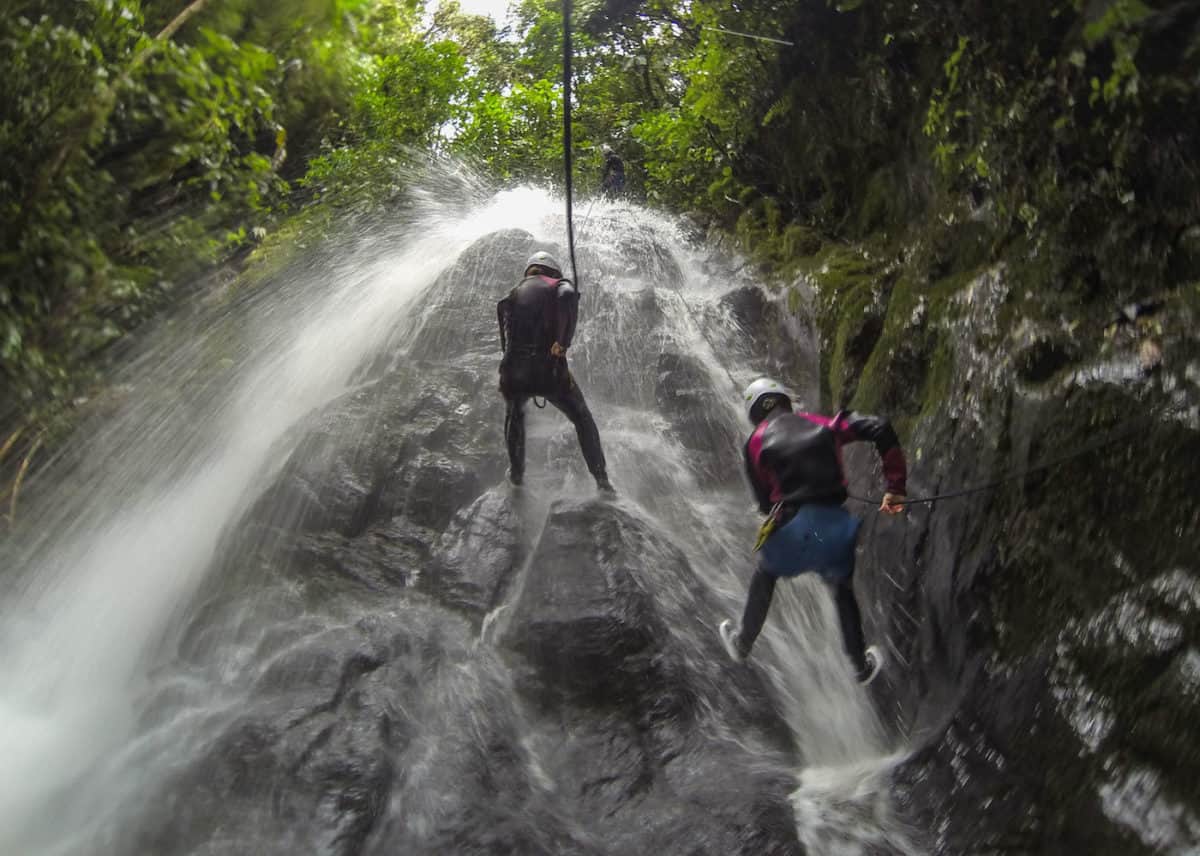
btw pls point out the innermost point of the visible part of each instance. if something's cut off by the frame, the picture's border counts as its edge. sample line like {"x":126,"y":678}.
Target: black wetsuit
{"x":613,"y":182}
{"x":537,"y":313}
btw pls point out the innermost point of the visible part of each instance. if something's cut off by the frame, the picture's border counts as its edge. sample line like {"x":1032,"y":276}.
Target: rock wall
{"x":1043,"y":634}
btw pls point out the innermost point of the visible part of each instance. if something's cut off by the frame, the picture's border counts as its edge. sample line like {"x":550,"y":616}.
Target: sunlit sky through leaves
{"x":495,"y":8}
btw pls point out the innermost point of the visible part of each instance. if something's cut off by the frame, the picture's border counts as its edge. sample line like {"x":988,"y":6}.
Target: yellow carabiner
{"x":768,"y":526}
{"x":764,"y":532}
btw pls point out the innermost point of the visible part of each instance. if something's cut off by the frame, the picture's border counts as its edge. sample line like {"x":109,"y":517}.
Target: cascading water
{"x":282,"y":600}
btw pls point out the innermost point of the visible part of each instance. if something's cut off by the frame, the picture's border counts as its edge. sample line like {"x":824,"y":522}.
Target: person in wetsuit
{"x":613,"y":181}
{"x":537,"y":322}
{"x":794,"y":463}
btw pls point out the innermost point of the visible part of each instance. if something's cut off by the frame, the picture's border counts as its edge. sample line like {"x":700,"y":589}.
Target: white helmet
{"x":762,"y":396}
{"x":543,"y":260}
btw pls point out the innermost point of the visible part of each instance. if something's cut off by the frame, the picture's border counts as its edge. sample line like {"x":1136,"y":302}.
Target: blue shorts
{"x":819,"y":539}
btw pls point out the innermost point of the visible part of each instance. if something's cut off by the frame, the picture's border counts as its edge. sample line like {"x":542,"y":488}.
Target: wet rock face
{"x":607,"y":625}
{"x":402,"y":731}
{"x":781,"y":344}
{"x":683,"y":396}
{"x":1042,"y":634}
{"x":413,"y":657}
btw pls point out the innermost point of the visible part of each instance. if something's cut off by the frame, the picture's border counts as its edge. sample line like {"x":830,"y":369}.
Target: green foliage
{"x":130,"y":164}
{"x":518,"y":135}
{"x":108,"y":133}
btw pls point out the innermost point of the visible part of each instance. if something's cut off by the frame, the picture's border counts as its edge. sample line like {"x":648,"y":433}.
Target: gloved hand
{"x":557,"y":350}
{"x":893,"y":503}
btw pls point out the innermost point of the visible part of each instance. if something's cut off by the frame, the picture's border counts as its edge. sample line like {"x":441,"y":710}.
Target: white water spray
{"x":122,"y":558}
{"x":121,"y":554}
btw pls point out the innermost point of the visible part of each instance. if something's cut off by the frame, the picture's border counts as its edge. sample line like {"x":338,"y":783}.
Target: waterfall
{"x":287,"y":513}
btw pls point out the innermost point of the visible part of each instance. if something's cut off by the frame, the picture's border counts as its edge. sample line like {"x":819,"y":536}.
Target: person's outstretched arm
{"x":856,"y":427}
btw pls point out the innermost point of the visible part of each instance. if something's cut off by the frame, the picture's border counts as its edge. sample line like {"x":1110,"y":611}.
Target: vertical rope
{"x":566,"y":15}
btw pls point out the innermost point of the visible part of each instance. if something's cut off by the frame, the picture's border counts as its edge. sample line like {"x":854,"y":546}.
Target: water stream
{"x":146,"y":620}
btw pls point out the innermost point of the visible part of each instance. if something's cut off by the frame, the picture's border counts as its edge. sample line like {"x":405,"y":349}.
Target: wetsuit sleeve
{"x":567,"y":313}
{"x":762,"y":494}
{"x":855,"y":427}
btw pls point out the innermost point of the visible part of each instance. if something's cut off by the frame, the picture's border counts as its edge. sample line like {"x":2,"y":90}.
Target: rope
{"x":586,"y":217}
{"x":751,"y":36}
{"x":566,"y":15}
{"x":1050,"y":463}
{"x":567,"y":169}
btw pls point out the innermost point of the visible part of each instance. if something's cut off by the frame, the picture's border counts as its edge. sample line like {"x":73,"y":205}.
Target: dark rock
{"x":593,"y":629}
{"x":777,"y":342}
{"x":326,"y":717}
{"x":1040,"y":353}
{"x":1038,"y":650}
{"x":479,"y":553}
{"x":606,"y":616}
{"x":338,"y":687}
{"x":683,"y":395}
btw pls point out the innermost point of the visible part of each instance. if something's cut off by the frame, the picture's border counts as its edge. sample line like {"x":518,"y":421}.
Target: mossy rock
{"x":800,"y":241}
{"x":907,"y":373}
{"x":851,"y":289}
{"x":884,"y":201}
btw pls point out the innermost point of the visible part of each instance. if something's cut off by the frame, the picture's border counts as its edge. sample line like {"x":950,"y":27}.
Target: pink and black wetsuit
{"x":796,"y":458}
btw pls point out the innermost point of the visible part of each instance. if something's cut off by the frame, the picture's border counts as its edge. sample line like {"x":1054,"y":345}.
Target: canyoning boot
{"x":874,"y":660}
{"x":516,"y":479}
{"x":729,"y":638}
{"x":605,"y":486}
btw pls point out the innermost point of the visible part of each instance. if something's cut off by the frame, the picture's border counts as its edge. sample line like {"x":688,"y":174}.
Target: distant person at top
{"x":613,"y":182}
{"x":794,"y":462}
{"x":537,"y":322}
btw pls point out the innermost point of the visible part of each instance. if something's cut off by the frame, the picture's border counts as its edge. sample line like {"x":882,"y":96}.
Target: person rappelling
{"x":537,"y":323}
{"x":794,"y":463}
{"x":612,"y":183}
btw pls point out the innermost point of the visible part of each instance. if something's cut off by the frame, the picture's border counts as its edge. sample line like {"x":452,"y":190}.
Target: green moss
{"x":850,"y":288}
{"x":799,"y":241}
{"x":861,"y":314}
{"x":883,"y":201}
{"x":907,"y":374}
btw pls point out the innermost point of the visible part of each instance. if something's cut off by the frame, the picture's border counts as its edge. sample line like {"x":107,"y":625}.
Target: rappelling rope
{"x":566,"y":15}
{"x":1050,"y":463}
{"x":567,"y":170}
